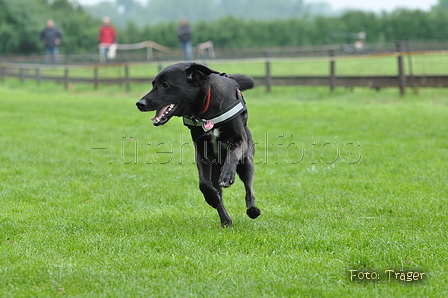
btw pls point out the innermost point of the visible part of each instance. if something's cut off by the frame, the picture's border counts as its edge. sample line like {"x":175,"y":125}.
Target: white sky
{"x":370,"y":5}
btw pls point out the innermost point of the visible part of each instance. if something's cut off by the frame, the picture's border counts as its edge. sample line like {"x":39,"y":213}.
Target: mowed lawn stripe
{"x":353,"y":180}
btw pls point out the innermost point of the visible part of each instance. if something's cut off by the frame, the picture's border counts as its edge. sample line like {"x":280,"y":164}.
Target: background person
{"x":184,"y":34}
{"x":51,"y":37}
{"x":106,"y":38}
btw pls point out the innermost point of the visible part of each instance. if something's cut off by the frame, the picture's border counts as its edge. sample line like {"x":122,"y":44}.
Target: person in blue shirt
{"x":184,"y":34}
{"x":51,"y":37}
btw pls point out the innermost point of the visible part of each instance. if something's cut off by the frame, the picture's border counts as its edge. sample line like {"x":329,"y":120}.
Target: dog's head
{"x":178,"y":90}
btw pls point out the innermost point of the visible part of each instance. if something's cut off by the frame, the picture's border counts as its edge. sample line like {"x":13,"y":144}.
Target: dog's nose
{"x":141,"y":104}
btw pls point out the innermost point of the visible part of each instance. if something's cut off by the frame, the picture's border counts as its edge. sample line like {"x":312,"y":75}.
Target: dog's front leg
{"x":228,"y":170}
{"x":209,"y":172}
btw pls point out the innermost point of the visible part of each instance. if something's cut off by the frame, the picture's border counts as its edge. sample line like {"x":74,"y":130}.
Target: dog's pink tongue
{"x":160,"y":113}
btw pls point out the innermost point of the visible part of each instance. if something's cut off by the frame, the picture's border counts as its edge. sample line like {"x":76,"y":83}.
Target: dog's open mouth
{"x":164,"y":114}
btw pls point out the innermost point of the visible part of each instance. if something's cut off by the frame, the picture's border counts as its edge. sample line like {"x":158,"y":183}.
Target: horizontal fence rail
{"x":401,"y":79}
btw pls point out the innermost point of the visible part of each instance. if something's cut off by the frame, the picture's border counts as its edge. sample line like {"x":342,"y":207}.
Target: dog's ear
{"x":198,"y":73}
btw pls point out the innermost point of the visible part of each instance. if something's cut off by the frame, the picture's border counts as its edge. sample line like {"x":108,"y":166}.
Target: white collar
{"x":231,"y":113}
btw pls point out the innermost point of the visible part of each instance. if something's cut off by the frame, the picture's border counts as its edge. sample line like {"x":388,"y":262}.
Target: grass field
{"x":345,"y":181}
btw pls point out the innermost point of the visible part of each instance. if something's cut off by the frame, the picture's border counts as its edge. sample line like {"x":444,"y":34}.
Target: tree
{"x":22,"y":20}
{"x":441,"y":4}
{"x":19,"y":26}
{"x":157,"y":11}
{"x":129,"y":6}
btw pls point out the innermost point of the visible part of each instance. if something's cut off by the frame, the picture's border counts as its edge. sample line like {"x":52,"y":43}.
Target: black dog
{"x":214,"y":110}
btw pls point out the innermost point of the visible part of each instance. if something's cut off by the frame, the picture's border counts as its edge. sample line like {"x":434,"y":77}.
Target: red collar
{"x":207,"y":101}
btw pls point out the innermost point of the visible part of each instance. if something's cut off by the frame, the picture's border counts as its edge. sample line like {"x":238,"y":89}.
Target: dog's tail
{"x":245,"y":82}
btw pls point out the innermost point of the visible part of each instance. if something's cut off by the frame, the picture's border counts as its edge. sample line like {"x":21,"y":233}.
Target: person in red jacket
{"x":106,"y":38}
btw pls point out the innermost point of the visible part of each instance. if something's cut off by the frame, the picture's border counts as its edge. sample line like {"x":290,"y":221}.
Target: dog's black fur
{"x":181,"y":90}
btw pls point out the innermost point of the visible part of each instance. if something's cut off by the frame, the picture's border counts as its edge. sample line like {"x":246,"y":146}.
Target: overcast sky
{"x":370,"y":5}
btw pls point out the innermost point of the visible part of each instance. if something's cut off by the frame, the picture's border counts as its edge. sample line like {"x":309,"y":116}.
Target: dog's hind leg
{"x":246,"y":171}
{"x":212,"y":191}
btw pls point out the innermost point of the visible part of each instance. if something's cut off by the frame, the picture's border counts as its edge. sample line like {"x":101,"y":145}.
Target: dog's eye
{"x":165,"y":85}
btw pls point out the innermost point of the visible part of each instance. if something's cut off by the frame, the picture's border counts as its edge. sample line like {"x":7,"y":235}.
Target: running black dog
{"x":213,"y":108}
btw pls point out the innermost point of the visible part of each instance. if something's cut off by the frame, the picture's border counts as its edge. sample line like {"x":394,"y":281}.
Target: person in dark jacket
{"x":184,"y":34}
{"x":51,"y":37}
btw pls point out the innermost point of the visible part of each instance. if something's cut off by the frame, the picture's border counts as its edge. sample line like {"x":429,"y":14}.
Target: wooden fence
{"x":401,"y":80}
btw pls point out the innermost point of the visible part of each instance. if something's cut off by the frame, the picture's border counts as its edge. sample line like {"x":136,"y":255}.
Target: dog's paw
{"x":253,"y":212}
{"x":226,"y":223}
{"x":226,"y":179}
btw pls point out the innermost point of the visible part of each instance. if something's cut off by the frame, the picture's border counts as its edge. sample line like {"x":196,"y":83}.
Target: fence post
{"x":410,"y":67}
{"x":21,"y":75}
{"x":66,"y":78}
{"x":332,"y":71}
{"x":401,"y":74}
{"x":38,"y":77}
{"x":126,"y":79}
{"x":268,"y":76}
{"x":2,"y":75}
{"x":95,"y":77}
{"x":149,"y":53}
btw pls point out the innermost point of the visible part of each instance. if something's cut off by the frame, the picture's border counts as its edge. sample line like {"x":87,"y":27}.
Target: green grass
{"x":117,"y":222}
